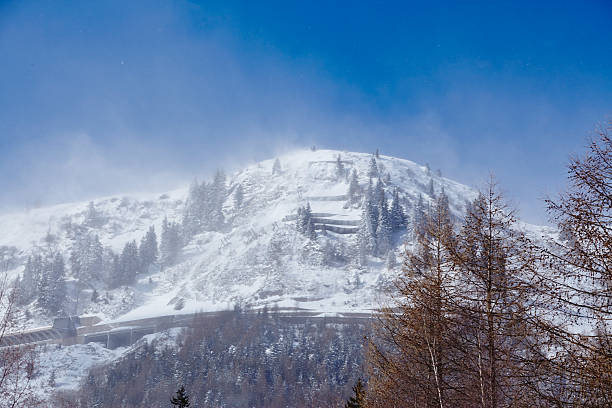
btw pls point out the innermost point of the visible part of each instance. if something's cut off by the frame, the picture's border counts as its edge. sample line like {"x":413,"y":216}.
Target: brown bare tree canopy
{"x":484,"y":316}
{"x":16,"y":363}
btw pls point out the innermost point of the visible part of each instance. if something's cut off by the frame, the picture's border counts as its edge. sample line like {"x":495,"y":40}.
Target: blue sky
{"x":111,"y":96}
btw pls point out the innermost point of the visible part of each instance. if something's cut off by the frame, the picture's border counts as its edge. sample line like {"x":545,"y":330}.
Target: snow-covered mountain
{"x":257,"y":258}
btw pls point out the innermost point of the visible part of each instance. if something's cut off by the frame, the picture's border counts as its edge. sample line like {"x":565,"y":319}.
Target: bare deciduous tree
{"x":577,"y":279}
{"x":16,"y":362}
{"x":461,"y":330}
{"x":412,"y":353}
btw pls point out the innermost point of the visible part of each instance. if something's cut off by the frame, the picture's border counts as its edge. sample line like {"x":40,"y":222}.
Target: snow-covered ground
{"x":259,"y":258}
{"x":64,"y":368}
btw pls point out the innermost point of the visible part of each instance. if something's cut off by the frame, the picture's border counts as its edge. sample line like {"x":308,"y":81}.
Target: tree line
{"x":485,"y":315}
{"x":237,"y":358}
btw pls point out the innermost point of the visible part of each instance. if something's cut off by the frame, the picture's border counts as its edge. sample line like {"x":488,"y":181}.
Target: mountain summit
{"x":313,"y":229}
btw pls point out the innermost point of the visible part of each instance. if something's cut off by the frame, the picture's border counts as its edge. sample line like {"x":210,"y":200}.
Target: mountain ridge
{"x":256,"y":257}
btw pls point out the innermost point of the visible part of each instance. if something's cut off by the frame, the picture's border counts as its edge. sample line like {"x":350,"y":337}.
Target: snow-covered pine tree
{"x":304,"y":223}
{"x":86,"y":258}
{"x":379,"y":191}
{"x":75,"y":260}
{"x":340,"y":170}
{"x":115,"y":276}
{"x":192,"y":213}
{"x":354,"y":190}
{"x":170,"y":243}
{"x":362,"y":247}
{"x":418,"y":218}
{"x":129,"y":263}
{"x":147,"y":252}
{"x":363,"y":238}
{"x":44,"y":283}
{"x":94,"y":262}
{"x":430,"y":189}
{"x":56,"y":285}
{"x":310,"y":230}
{"x":370,"y":204}
{"x":299,"y":220}
{"x":387,"y":179}
{"x":442,"y":200}
{"x":306,"y":219}
{"x":276,"y":167}
{"x":358,"y":400}
{"x":373,"y":169}
{"x":384,"y":229}
{"x":181,"y":399}
{"x":29,"y":283}
{"x":92,"y":217}
{"x":398,"y":217}
{"x":219,"y":194}
{"x":366,"y":234}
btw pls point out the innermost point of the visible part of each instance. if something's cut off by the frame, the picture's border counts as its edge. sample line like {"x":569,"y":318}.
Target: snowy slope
{"x":63,"y":368}
{"x":258,"y":258}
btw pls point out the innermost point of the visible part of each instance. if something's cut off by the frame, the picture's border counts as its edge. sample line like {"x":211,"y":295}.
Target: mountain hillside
{"x":255,"y":252}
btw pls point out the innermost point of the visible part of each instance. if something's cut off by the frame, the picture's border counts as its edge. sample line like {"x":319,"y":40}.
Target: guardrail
{"x":118,"y":334}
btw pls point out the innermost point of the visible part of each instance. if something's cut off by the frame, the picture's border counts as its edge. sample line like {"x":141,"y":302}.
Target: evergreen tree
{"x":384,"y":229}
{"x":340,"y":170}
{"x":371,"y":206}
{"x":358,"y":399}
{"x":92,"y":217}
{"x":30,"y":282}
{"x":398,"y":217}
{"x":115,"y":277}
{"x":38,"y":266}
{"x":147,"y":252}
{"x":366,"y":235}
{"x":418,"y":218}
{"x":379,"y":191}
{"x":44,"y":285}
{"x":387,"y":178}
{"x":51,"y":292}
{"x":308,"y":211}
{"x":377,"y":154}
{"x":310,"y":230}
{"x":204,"y":206}
{"x":373,"y":170}
{"x":430,"y":189}
{"x":181,"y":399}
{"x":276,"y":167}
{"x":170,"y":243}
{"x":299,"y":220}
{"x":304,"y":223}
{"x":306,"y":216}
{"x":87,"y":258}
{"x":193,"y":212}
{"x":129,"y":263}
{"x":354,"y":191}
{"x":57,"y":285}
{"x":219,"y":193}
